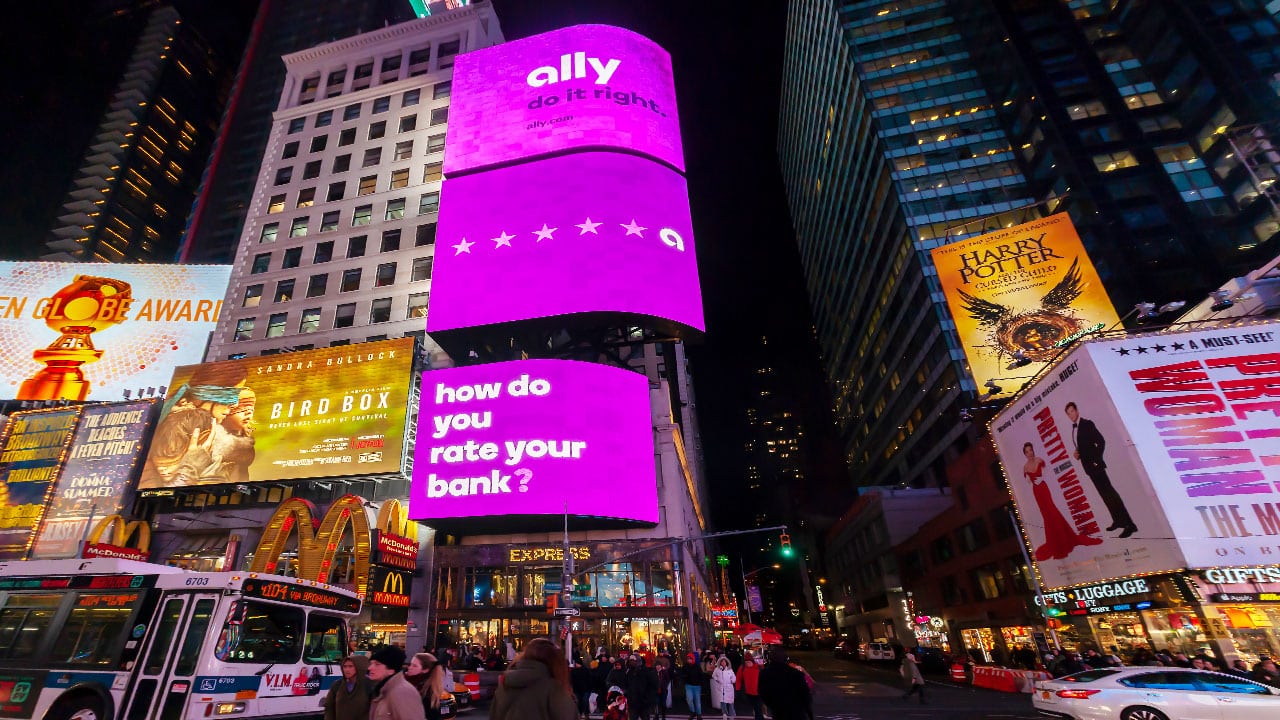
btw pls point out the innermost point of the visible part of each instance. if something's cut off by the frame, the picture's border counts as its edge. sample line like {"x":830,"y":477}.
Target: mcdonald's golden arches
{"x":316,"y":548}
{"x":119,"y":533}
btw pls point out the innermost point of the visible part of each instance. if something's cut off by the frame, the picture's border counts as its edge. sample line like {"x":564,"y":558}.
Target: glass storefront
{"x":1254,"y":629}
{"x":979,"y":642}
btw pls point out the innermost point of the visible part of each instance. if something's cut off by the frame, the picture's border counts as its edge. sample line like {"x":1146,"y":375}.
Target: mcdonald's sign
{"x":317,"y":539}
{"x":395,"y":540}
{"x":390,"y":587}
{"x":118,"y":534}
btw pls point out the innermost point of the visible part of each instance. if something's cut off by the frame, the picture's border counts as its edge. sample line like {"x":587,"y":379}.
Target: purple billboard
{"x":581,"y":87}
{"x":509,"y":444}
{"x":582,"y":233}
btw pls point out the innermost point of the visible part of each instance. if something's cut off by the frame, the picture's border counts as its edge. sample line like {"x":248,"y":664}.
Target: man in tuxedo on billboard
{"x":1089,"y":445}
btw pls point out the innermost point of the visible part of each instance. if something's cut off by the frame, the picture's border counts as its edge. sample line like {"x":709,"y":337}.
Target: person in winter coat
{"x":692,"y":677}
{"x":580,"y":681}
{"x":393,"y":697}
{"x":749,"y":683}
{"x":426,"y":675}
{"x":783,"y":688}
{"x":708,"y":669}
{"x":641,"y":687}
{"x":617,"y":677}
{"x":535,"y":686}
{"x":663,"y":669}
{"x":348,"y":699}
{"x":723,"y":682}
{"x":911,"y":673}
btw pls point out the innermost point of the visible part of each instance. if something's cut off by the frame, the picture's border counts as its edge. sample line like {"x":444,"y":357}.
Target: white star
{"x":463,"y":247}
{"x":503,"y":239}
{"x":634,"y":229}
{"x":545,"y":232}
{"x":589,"y":227}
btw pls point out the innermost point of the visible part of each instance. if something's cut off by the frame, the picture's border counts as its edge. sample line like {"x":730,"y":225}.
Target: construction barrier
{"x":472,"y":681}
{"x":1026,"y":679}
{"x":958,"y":674}
{"x":1006,"y":680}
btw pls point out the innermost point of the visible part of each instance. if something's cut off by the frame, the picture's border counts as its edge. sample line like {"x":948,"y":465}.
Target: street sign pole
{"x":566,"y":590}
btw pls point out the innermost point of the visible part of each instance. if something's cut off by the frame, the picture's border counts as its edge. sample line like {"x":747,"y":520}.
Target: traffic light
{"x":786,"y":545}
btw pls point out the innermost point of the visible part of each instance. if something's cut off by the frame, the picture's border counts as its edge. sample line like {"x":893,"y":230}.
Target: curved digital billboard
{"x":581,"y":87}
{"x":582,"y":233}
{"x":509,"y":445}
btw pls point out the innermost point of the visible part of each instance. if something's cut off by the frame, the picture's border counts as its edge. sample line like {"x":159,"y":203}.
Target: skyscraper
{"x":280,"y":28}
{"x":132,"y":194}
{"x":909,"y":125}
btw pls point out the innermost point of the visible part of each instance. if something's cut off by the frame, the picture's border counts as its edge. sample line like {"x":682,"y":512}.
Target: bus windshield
{"x":262,"y":632}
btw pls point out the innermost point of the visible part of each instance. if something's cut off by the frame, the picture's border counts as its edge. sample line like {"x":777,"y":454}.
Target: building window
{"x":351,"y":112}
{"x":317,"y":285}
{"x":306,"y":197}
{"x":290,"y":150}
{"x":344,"y":316}
{"x":408,"y":122}
{"x":425,"y":235}
{"x":276,"y":203}
{"x":378,"y":130}
{"x":252,"y":296}
{"x":276,"y":323}
{"x":390,"y":241}
{"x":447,"y":51}
{"x":298,"y":228}
{"x":363,"y":215}
{"x":261,"y":263}
{"x":244,"y":329}
{"x":410,"y":97}
{"x":385,"y":275}
{"x":350,"y":280}
{"x":395,"y":209}
{"x":382,"y":104}
{"x":310,"y":320}
{"x":336,"y":191}
{"x":418,"y":305}
{"x":324,"y":252}
{"x":297,"y":125}
{"x":391,"y":64}
{"x":432,"y":172}
{"x":347,"y":137}
{"x":342,"y":163}
{"x":441,"y":90}
{"x":372,"y":156}
{"x":311,"y":170}
{"x":269,"y":232}
{"x":284,"y":291}
{"x":1110,"y":162}
{"x":421,"y":269}
{"x":319,"y":142}
{"x":355,"y":246}
{"x":399,"y":179}
{"x":435,"y":143}
{"x":329,"y":221}
{"x":324,"y":119}
{"x":430,"y":203}
{"x":403,"y":150}
{"x":368,"y":185}
{"x":284,"y":175}
{"x":440,"y":115}
{"x":380,"y":311}
{"x":292,"y":258}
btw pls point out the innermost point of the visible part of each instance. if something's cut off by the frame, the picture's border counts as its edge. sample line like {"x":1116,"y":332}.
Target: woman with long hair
{"x":426,"y":674}
{"x":1060,"y":538}
{"x":536,"y":686}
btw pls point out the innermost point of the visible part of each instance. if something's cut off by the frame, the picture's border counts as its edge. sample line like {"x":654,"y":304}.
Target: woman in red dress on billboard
{"x":1059,"y":537}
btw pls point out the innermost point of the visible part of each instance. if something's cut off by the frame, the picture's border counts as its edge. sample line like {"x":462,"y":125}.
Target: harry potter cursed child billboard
{"x":327,"y":412}
{"x":1024,"y":288}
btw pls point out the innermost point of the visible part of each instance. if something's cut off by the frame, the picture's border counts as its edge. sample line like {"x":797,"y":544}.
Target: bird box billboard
{"x":1026,"y":289}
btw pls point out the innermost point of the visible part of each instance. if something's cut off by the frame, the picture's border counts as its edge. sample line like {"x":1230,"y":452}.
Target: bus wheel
{"x":79,"y":707}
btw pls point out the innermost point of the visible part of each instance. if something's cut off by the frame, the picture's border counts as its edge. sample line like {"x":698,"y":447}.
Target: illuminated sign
{"x":32,"y":448}
{"x":390,"y":587}
{"x":518,"y":440}
{"x":316,"y":548}
{"x":1020,"y":290}
{"x":95,"y":480}
{"x":1236,"y":575}
{"x":118,"y":534}
{"x":337,"y":411}
{"x":1089,"y":594}
{"x":581,"y":87}
{"x":395,"y":550}
{"x":551,"y":553}
{"x":78,"y":582}
{"x":588,"y":233}
{"x":1245,"y":597}
{"x":89,"y":331}
{"x":19,"y":692}
{"x":300,"y":595}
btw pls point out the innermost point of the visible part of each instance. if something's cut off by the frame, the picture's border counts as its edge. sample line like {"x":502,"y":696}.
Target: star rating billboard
{"x":1022,"y":289}
{"x":1149,"y":453}
{"x":581,"y":87}
{"x":581,"y":234}
{"x":507,"y":445}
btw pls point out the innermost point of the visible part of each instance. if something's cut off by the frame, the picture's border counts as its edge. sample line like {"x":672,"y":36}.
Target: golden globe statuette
{"x":87,"y":305}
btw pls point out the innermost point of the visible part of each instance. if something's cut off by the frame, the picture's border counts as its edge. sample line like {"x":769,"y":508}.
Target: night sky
{"x":727,"y":60}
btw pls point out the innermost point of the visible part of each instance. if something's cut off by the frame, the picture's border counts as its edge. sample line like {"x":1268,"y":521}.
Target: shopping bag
{"x":593,"y":703}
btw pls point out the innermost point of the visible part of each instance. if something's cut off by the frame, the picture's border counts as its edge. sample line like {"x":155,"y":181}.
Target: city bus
{"x":111,"y":639}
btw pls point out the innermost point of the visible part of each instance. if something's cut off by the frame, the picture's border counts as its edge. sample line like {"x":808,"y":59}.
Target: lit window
{"x":252,"y":296}
{"x":435,"y":143}
{"x":329,"y":221}
{"x":299,"y":227}
{"x":269,"y":232}
{"x":395,"y":209}
{"x":399,"y":179}
{"x":403,"y":151}
{"x":368,"y":185}
{"x":363,"y":215}
{"x":276,"y":323}
{"x":310,"y":320}
{"x":418,"y":305}
{"x":284,"y":291}
{"x":432,"y":172}
{"x":244,"y":329}
{"x":1110,"y":162}
{"x":430,"y":203}
{"x":306,"y":197}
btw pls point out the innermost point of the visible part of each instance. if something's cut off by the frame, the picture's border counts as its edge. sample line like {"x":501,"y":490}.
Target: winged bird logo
{"x":1034,"y":332}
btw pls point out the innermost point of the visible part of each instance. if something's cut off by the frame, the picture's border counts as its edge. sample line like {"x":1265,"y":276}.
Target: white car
{"x":1155,"y":693}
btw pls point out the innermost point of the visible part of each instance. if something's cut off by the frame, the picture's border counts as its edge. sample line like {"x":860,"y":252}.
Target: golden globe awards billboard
{"x":337,"y":411}
{"x":90,"y":331}
{"x":1022,"y":289}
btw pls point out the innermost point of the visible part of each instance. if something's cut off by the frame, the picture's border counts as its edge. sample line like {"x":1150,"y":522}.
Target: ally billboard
{"x":512,"y":444}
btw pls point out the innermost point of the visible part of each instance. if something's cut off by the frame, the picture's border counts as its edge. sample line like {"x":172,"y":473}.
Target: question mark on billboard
{"x":525,"y":475}
{"x":671,"y":238}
